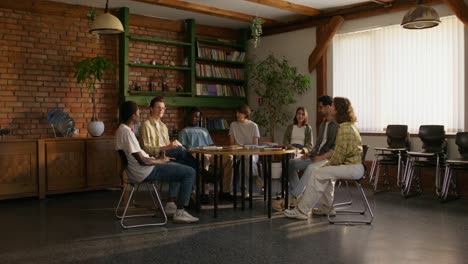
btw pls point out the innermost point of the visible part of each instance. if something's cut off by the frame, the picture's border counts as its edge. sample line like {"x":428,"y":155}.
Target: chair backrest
{"x":364,"y":153}
{"x":123,"y":164}
{"x":433,"y":138}
{"x":398,"y":136}
{"x":462,"y":143}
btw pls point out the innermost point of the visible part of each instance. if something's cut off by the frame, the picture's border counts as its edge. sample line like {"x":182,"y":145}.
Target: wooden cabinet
{"x":65,"y":163}
{"x":78,"y":164}
{"x":31,"y":168}
{"x":102,"y":163}
{"x":18,"y":169}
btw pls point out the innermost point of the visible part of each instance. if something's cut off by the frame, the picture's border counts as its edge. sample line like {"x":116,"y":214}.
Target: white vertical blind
{"x":399,"y":76}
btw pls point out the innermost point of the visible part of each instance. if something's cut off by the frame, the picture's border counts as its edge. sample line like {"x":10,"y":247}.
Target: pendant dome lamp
{"x":106,"y":23}
{"x":420,"y":17}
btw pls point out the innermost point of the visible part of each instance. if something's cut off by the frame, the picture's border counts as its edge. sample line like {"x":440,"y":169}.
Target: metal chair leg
{"x":154,"y":197}
{"x":349,"y":193}
{"x":374,"y":162}
{"x":366,"y":208}
{"x":376,"y":181}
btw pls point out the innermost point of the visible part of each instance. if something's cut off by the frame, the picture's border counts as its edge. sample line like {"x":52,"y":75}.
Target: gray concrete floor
{"x":81,"y":228}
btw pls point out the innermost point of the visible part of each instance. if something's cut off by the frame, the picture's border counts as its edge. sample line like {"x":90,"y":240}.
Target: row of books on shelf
{"x":211,"y":71}
{"x":219,"y":90}
{"x":214,"y":123}
{"x":215,"y":54}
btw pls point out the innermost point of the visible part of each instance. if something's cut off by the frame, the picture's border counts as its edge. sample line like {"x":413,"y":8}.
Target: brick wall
{"x":161,"y":54}
{"x":38,"y":53}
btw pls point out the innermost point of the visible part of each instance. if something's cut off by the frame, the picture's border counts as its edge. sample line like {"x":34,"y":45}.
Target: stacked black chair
{"x":134,"y":187}
{"x":393,"y":155}
{"x":449,"y":186}
{"x":433,"y":154}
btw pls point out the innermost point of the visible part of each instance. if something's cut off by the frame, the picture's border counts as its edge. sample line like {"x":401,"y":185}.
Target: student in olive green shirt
{"x":345,"y":163}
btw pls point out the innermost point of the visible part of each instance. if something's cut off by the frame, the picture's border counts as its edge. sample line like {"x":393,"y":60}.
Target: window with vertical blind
{"x":399,"y":76}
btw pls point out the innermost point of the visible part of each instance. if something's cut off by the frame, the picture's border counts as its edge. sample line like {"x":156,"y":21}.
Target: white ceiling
{"x":231,"y":5}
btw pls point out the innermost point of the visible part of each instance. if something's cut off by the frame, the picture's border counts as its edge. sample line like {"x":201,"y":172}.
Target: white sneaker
{"x":170,"y":208}
{"x":293,"y":201}
{"x":323,"y":211}
{"x":182,"y":217}
{"x":295,"y":213}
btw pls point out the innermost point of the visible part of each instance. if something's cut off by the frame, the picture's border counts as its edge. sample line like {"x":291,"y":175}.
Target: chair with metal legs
{"x":393,"y":155}
{"x":433,"y":154}
{"x":133,"y":187}
{"x":449,"y":186}
{"x":367,"y":219}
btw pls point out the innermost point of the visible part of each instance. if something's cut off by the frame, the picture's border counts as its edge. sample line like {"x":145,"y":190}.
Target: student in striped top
{"x":345,"y":163}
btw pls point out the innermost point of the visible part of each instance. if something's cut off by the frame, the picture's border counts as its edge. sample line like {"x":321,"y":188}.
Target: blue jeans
{"x":183,"y":177}
{"x":295,"y":185}
{"x":181,"y":156}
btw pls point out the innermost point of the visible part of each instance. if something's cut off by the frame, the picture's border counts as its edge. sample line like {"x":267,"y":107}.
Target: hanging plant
{"x":256,"y":28}
{"x":91,"y":15}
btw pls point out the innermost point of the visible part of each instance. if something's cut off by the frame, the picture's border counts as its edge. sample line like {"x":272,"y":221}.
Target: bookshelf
{"x":220,"y":67}
{"x":219,"y":82}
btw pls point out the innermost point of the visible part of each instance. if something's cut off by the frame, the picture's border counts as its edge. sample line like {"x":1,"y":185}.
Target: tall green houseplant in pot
{"x":90,"y":72}
{"x":276,"y":83}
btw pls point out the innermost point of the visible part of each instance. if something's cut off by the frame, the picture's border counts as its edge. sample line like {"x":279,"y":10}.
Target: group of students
{"x":336,"y":154}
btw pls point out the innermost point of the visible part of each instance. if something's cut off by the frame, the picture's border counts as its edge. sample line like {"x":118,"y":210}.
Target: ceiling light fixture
{"x":420,"y":17}
{"x":106,"y":23}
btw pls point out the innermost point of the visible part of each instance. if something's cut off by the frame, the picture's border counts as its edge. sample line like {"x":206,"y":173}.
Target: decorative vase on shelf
{"x":96,"y":128}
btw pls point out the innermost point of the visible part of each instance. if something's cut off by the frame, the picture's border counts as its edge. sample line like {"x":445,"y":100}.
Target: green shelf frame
{"x":188,"y":97}
{"x":220,"y":96}
{"x":154,"y":93}
{"x":221,"y":43}
{"x":235,"y":63}
{"x":178,"y":101}
{"x":224,"y":80}
{"x":157,"y":66}
{"x":160,"y":41}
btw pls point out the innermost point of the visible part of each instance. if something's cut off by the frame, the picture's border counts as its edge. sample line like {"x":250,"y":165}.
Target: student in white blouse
{"x":299,"y":134}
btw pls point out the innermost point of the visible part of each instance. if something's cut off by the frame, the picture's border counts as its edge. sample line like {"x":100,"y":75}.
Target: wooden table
{"x":236,"y":153}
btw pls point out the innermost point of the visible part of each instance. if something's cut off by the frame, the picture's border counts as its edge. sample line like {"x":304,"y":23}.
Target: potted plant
{"x":276,"y":83}
{"x":90,"y":72}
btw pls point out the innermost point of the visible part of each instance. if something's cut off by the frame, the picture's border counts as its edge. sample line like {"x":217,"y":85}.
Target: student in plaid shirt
{"x":345,"y":163}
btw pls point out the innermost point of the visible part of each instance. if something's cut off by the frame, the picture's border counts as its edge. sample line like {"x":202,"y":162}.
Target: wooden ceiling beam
{"x":327,"y":34}
{"x":348,"y":13}
{"x":207,"y":10}
{"x":459,"y":8}
{"x":285,"y":5}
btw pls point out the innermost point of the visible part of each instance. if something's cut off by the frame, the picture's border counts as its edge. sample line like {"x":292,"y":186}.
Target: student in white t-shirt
{"x":245,"y":132}
{"x":142,"y":167}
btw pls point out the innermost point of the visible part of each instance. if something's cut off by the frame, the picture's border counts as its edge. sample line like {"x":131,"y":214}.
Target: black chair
{"x":134,"y":187}
{"x":449,"y":186}
{"x":393,"y":155}
{"x":368,"y":219}
{"x":433,"y":154}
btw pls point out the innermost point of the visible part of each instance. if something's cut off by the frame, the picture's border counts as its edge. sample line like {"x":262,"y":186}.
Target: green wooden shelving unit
{"x":189,"y":97}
